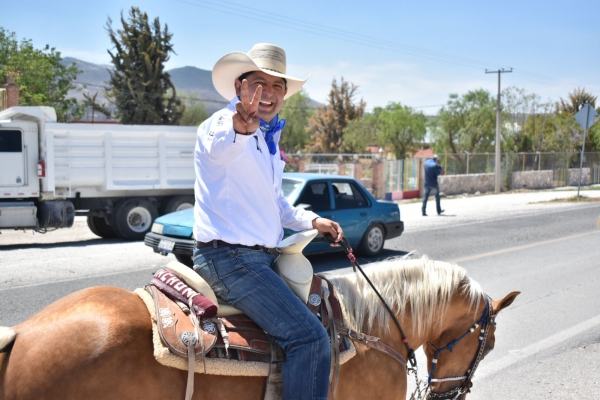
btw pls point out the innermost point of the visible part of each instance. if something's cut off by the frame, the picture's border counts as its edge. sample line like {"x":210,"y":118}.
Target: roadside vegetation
{"x":580,"y":198}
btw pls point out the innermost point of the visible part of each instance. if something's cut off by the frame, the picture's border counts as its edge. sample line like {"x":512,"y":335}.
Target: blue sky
{"x":415,"y":53}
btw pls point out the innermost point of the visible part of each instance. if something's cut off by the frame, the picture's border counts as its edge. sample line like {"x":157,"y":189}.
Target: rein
{"x":486,"y":321}
{"x":346,"y":246}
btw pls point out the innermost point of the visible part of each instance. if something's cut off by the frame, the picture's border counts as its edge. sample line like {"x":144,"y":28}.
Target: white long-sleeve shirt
{"x":238,"y":186}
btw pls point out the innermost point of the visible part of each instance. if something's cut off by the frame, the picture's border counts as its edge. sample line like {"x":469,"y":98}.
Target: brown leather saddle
{"x":234,"y":336}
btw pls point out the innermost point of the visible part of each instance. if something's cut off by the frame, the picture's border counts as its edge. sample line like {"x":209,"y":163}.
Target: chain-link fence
{"x":405,"y":175}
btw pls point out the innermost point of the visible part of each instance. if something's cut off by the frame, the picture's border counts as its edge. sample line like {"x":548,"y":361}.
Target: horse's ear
{"x":498,"y":305}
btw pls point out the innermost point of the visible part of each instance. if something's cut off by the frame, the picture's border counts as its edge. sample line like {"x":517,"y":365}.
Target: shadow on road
{"x":339,"y":260}
{"x":73,"y":243}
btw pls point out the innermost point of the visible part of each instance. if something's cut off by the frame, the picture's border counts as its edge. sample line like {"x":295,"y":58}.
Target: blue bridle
{"x":486,"y":321}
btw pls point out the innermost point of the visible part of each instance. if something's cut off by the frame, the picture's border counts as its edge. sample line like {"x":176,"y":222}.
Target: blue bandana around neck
{"x":270,"y":129}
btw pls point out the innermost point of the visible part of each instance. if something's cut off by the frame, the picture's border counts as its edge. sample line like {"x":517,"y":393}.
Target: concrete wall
{"x":532,"y":180}
{"x":574,"y":176}
{"x":459,"y":184}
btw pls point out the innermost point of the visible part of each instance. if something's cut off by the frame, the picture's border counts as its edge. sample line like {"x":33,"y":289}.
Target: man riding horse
{"x":240,"y":213}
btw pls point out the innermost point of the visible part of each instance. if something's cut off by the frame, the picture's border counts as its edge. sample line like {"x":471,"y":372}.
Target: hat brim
{"x":232,"y":65}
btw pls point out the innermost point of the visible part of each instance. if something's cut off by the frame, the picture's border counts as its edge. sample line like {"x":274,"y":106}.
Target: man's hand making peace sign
{"x":246,"y":119}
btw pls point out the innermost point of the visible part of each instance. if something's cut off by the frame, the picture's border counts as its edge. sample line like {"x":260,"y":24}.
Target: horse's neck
{"x":453,"y":321}
{"x":456,"y":314}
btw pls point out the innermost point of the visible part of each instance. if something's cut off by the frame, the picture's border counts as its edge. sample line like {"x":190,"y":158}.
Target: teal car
{"x":367,"y":222}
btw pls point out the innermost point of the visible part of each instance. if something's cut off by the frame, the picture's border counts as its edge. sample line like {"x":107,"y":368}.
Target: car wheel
{"x":185,"y":260}
{"x":179,"y":203}
{"x":371,"y":244}
{"x":100,"y":227}
{"x":133,"y":218}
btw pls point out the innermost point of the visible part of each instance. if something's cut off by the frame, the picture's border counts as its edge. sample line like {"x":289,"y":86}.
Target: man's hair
{"x":247,"y":74}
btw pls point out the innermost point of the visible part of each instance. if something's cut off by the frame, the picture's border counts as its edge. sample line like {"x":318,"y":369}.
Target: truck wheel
{"x":179,"y":203}
{"x":100,"y":227}
{"x":133,"y":218}
{"x":371,"y":244}
{"x":185,"y":260}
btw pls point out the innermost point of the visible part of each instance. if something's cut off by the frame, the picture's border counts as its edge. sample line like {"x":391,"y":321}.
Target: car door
{"x":351,"y":210}
{"x":317,"y":195}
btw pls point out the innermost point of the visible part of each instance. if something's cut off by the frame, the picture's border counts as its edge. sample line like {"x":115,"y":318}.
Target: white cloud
{"x":421,"y":88}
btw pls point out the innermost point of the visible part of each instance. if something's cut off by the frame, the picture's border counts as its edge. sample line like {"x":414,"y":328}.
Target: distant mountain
{"x":193,"y":84}
{"x":196,"y":84}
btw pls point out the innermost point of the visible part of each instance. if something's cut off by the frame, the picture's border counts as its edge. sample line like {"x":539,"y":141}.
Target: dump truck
{"x":121,"y":177}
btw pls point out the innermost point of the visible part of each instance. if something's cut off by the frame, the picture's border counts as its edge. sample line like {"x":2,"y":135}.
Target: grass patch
{"x":574,"y":199}
{"x":571,"y":189}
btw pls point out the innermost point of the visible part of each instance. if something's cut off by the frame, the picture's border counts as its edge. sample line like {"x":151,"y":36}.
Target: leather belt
{"x":219,"y":243}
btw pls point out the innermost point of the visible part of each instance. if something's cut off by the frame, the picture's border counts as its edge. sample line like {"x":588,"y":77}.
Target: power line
{"x":231,"y":8}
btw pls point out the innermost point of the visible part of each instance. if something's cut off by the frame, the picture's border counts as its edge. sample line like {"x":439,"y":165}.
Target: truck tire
{"x":179,"y":203}
{"x":100,"y":227}
{"x":185,"y":260}
{"x":133,"y":218}
{"x":371,"y":244}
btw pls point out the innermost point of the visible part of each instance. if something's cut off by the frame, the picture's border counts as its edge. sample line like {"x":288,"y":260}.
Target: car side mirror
{"x":305,"y":206}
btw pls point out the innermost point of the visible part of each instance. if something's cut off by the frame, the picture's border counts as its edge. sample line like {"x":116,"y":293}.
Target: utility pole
{"x":498,"y":114}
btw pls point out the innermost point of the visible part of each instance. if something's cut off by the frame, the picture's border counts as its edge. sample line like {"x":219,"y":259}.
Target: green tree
{"x":540,"y":129}
{"x":194,"y":114}
{"x":594,"y":133}
{"x":518,"y":106}
{"x":327,"y":125}
{"x":566,"y":109}
{"x":296,"y":111}
{"x":139,"y":86}
{"x":396,"y":126}
{"x":361,"y":133}
{"x":576,"y":100}
{"x":42,"y":79}
{"x":91,"y":102}
{"x":400,"y":127}
{"x":466,"y":123}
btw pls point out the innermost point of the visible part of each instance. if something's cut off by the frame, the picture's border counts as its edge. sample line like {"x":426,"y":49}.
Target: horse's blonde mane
{"x":425,"y":285}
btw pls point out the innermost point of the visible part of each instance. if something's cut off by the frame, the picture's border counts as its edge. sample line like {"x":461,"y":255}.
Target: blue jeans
{"x":428,"y":190}
{"x":244,"y":278}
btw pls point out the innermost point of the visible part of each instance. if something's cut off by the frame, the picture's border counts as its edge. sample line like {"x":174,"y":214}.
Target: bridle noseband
{"x":486,"y":321}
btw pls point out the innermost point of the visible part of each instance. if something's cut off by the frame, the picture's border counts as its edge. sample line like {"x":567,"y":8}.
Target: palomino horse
{"x":97,"y":343}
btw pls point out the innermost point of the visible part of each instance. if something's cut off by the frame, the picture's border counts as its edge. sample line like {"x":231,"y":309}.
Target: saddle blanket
{"x":234,"y":363}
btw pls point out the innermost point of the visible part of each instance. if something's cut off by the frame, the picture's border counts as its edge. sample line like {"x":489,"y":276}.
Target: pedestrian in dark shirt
{"x":432,"y":171}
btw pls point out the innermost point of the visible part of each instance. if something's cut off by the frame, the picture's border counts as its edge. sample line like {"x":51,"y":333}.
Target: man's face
{"x":273,"y":92}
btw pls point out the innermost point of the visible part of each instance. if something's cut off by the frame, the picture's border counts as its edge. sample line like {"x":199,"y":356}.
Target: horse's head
{"x":453,"y":356}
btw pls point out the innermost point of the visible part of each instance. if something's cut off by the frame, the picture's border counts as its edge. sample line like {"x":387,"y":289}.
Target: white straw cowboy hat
{"x":264,"y":57}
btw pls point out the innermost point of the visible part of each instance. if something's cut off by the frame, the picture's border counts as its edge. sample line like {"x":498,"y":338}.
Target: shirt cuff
{"x":311,"y":216}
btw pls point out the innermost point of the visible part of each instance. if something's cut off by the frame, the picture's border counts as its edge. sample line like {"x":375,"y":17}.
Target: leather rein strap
{"x":373,"y":342}
{"x":346,"y":246}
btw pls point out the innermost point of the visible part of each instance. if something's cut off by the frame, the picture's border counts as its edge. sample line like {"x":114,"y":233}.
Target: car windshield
{"x":290,"y":188}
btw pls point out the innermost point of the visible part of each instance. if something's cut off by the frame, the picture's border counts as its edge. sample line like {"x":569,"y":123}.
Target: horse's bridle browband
{"x":486,"y":321}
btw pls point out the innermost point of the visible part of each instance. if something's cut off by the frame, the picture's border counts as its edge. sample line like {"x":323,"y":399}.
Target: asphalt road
{"x":547,"y":342}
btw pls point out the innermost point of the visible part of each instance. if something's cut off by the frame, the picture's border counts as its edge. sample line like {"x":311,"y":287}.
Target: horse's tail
{"x":7,"y":337}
